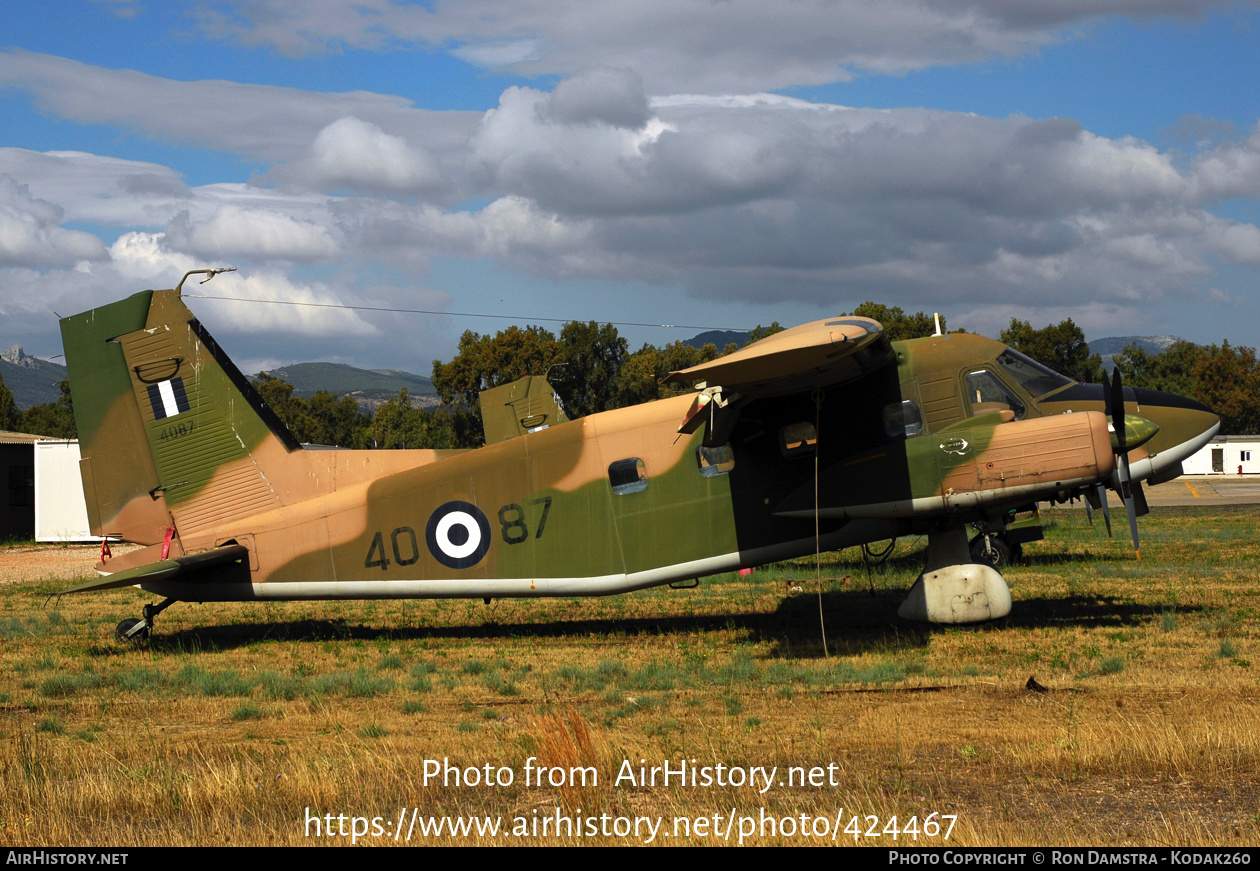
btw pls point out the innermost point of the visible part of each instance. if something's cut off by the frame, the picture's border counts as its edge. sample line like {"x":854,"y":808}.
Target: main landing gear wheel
{"x":128,"y":633}
{"x":999,"y":553}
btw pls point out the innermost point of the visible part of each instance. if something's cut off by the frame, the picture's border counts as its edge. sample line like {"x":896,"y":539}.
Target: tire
{"x":1000,"y":553}
{"x":125,"y":626}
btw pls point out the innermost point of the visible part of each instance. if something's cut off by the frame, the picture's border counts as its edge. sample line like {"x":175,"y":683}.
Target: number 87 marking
{"x":512,"y":520}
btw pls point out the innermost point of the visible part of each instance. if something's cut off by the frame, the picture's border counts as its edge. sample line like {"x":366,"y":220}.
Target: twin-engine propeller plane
{"x":826,"y":435}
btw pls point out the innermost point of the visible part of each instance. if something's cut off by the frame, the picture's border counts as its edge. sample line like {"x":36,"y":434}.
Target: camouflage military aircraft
{"x":825,"y":436}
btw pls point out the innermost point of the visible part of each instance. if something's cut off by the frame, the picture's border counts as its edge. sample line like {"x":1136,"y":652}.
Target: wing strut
{"x":818,"y":395}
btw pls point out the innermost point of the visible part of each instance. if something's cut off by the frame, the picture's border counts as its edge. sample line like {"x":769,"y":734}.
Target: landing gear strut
{"x":132,"y":630}
{"x":993,"y":549}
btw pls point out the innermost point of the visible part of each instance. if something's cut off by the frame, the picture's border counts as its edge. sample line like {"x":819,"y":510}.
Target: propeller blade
{"x":1117,"y":411}
{"x":1101,"y":489}
{"x":1113,"y":401}
{"x":1124,"y":486}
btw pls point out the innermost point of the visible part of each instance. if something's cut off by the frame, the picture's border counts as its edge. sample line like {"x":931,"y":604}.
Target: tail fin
{"x":168,"y":427}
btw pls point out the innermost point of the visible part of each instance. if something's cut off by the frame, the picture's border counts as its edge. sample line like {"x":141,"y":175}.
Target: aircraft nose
{"x":1180,"y":420}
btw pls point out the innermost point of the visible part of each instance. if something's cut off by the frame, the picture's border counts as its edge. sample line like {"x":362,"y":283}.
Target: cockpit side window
{"x":1034,"y":377}
{"x":987,"y":394}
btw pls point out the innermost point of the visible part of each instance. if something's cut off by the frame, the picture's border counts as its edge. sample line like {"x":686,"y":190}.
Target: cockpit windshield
{"x":1037,"y":379}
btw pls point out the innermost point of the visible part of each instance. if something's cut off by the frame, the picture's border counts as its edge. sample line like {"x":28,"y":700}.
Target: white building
{"x":1226,"y":455}
{"x":60,"y":507}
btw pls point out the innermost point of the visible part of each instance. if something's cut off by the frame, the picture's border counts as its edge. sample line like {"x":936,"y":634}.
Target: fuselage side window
{"x":903,"y":419}
{"x":987,"y":394}
{"x":715,"y":461}
{"x":798,"y":439}
{"x":627,"y":476}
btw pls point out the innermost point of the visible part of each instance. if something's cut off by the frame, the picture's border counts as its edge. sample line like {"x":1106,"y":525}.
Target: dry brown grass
{"x":238,"y":718}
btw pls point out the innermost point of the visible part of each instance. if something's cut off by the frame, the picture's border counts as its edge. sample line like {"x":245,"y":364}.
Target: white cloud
{"x":739,"y":198}
{"x":31,"y":233}
{"x":97,"y":188}
{"x":695,"y":45}
{"x":145,"y":257}
{"x":1238,"y":243}
{"x":601,"y":95}
{"x":1230,"y":170}
{"x":261,"y":121}
{"x":313,"y":309}
{"x":254,"y":233}
{"x":355,"y":154}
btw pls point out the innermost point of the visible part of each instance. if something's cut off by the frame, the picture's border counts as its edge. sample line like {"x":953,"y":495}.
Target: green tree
{"x":898,"y":325}
{"x":334,"y":421}
{"x":1229,"y":384}
{"x":398,"y":424}
{"x":1172,"y":371}
{"x":643,"y":373}
{"x":484,"y":362}
{"x":759,"y":332}
{"x":1224,"y":378}
{"x":9,"y":415}
{"x":54,"y":419}
{"x":593,"y":357}
{"x":1060,"y":346}
{"x":289,"y":408}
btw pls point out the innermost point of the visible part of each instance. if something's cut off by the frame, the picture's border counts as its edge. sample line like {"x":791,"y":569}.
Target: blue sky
{"x":673,"y":162}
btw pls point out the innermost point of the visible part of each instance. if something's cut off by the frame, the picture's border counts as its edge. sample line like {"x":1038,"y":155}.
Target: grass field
{"x":237,"y":719}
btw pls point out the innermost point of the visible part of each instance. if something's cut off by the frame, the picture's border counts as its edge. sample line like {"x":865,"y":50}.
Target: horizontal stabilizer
{"x":164,"y":570}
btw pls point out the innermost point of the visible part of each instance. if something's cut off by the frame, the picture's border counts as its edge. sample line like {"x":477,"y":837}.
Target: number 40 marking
{"x":403,"y":539}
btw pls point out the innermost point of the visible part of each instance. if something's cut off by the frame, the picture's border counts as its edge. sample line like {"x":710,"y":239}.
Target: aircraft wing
{"x":164,"y":570}
{"x":819,"y":354}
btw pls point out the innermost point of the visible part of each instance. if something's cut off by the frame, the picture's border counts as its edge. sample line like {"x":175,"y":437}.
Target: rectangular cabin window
{"x":798,"y":439}
{"x":715,"y":461}
{"x":903,"y":418}
{"x":627,"y":476}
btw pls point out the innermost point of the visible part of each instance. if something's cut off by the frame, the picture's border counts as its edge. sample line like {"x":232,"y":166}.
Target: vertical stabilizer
{"x":168,"y":426}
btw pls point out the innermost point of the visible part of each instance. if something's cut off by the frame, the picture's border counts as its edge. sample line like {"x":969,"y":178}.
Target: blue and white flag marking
{"x":168,"y":398}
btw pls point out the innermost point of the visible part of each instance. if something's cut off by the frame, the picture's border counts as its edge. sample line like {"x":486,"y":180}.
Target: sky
{"x":704,"y":164}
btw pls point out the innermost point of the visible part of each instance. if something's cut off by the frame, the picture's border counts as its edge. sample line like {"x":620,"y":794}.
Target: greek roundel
{"x":458,"y":534}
